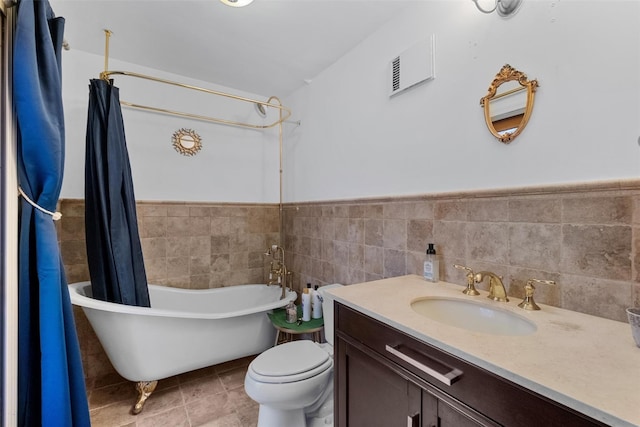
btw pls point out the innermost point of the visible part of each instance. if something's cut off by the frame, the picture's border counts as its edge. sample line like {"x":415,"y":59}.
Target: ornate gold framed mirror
{"x":186,"y":142}
{"x":508,"y":103}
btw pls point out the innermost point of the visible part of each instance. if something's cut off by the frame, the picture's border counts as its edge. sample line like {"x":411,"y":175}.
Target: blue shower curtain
{"x":114,"y":252}
{"x":51,"y":389}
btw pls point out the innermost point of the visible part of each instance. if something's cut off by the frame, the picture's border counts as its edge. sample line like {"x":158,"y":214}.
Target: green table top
{"x":278,"y":318}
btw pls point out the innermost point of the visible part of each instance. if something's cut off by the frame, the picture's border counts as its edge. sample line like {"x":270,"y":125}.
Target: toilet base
{"x":269,"y":417}
{"x":326,"y":421}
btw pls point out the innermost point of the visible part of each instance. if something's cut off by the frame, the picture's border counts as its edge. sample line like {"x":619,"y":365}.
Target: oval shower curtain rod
{"x":284,"y":112}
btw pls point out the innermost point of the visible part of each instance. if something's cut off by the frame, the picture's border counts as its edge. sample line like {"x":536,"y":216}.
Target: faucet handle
{"x":528,"y":303}
{"x":462,"y":267}
{"x":471,"y":288}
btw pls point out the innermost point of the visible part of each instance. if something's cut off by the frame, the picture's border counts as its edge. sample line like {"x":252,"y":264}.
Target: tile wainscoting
{"x":585,"y":237}
{"x":186,"y":245}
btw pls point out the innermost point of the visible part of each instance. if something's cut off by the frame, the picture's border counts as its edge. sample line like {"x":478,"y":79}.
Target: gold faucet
{"x":497,"y":292}
{"x":278,"y":273}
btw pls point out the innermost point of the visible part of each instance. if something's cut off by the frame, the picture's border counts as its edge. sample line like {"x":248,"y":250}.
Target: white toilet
{"x":293,"y":382}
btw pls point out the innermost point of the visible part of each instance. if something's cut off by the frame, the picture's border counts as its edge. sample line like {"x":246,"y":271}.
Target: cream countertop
{"x":587,"y":363}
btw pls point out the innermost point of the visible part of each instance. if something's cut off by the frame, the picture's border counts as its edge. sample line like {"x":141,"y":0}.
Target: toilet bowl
{"x":293,"y":382}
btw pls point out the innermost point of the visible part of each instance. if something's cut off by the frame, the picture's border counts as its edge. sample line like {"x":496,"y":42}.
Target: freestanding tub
{"x":183,"y":330}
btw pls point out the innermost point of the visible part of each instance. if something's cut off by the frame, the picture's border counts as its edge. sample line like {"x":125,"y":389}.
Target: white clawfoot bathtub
{"x":183,"y":330}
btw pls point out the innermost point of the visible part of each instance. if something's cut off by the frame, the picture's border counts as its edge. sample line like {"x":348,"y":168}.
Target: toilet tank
{"x":327,"y":311}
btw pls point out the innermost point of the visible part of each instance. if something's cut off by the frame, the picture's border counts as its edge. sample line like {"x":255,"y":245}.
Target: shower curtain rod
{"x":284,"y":112}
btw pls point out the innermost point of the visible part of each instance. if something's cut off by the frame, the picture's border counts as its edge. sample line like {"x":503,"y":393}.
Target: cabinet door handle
{"x":447,"y":378}
{"x":413,"y":420}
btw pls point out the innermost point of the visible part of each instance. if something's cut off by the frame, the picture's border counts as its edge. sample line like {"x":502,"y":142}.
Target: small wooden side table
{"x":287,"y":331}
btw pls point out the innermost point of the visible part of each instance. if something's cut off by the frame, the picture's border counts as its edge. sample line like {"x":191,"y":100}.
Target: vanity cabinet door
{"x":438,"y":413}
{"x":448,"y":416}
{"x":373,"y":394}
{"x":372,"y":391}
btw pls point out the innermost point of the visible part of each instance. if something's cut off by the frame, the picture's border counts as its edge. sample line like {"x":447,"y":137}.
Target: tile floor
{"x":210,"y":397}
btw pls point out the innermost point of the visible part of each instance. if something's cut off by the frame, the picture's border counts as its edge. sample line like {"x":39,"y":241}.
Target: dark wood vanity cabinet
{"x":376,"y":394}
{"x":386,"y":378}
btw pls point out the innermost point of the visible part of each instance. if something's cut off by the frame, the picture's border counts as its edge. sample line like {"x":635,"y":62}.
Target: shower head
{"x":261,"y":109}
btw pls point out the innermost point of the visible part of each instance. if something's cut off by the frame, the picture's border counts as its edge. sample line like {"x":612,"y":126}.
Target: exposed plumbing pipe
{"x":280,"y":208}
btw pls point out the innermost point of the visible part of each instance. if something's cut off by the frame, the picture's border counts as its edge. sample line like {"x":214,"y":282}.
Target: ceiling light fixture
{"x":236,"y":3}
{"x":505,"y":8}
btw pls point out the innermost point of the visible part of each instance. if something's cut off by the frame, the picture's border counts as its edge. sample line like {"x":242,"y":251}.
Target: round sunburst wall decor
{"x":186,"y":142}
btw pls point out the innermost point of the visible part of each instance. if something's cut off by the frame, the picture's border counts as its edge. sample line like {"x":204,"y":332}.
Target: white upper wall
{"x":234,"y":165}
{"x":355,"y":141}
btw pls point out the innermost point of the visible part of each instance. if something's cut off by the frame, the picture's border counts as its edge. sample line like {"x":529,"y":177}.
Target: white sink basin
{"x":473,"y":316}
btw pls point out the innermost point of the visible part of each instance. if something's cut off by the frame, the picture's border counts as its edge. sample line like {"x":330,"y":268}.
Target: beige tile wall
{"x":586,"y":238}
{"x":194,"y":246}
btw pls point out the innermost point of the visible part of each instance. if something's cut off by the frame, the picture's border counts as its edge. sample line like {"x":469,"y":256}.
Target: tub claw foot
{"x":145,"y":388}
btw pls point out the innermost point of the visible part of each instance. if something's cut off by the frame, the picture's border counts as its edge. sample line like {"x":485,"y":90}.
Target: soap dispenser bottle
{"x":431,"y":271}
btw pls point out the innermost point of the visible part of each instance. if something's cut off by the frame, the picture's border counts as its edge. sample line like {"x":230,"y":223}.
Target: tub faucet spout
{"x":278,"y":273}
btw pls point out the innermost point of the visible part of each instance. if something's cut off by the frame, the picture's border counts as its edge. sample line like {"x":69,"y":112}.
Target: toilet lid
{"x":294,"y":361}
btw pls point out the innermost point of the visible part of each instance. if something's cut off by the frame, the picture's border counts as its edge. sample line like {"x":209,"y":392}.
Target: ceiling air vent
{"x":413,"y":66}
